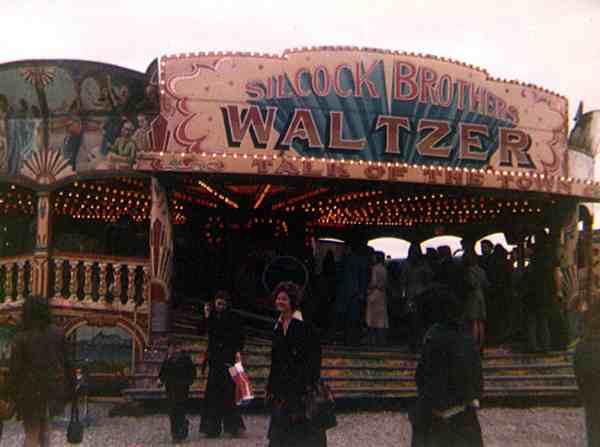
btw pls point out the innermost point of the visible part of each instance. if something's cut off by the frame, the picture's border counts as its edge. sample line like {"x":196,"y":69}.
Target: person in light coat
{"x":377,"y":314}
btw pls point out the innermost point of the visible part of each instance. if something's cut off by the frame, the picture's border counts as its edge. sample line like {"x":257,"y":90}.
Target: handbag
{"x":75,"y":429}
{"x":320,"y":406}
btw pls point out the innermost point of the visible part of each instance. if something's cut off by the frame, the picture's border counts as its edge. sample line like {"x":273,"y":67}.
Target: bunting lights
{"x":16,"y":200}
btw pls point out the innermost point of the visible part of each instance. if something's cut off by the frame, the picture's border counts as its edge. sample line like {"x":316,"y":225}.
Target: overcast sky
{"x":552,"y":43}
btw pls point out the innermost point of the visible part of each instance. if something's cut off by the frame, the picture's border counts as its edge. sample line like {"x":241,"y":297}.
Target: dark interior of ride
{"x":244,"y":233}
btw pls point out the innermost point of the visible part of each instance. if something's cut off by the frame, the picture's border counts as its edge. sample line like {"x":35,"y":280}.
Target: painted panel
{"x":361,"y":105}
{"x":62,"y":117}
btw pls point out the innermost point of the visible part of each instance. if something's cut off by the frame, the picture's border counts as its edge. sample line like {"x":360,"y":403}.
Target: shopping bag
{"x":243,"y":386}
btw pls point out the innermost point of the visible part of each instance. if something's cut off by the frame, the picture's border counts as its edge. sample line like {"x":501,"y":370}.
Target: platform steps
{"x":377,"y":374}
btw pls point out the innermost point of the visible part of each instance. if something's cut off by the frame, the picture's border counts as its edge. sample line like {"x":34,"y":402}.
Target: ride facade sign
{"x":370,"y":114}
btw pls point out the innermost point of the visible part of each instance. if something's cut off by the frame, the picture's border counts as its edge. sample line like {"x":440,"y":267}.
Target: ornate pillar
{"x":566,"y":248}
{"x":117,"y":285}
{"x":8,"y":285}
{"x":146,"y":285}
{"x":20,"y":280}
{"x":102,"y":286}
{"x":73,"y":283}
{"x":41,"y":258}
{"x":58,"y":278}
{"x":87,"y":280}
{"x":131,"y":283}
{"x":161,"y":259}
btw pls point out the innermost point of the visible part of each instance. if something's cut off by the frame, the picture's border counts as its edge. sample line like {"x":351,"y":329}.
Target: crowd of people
{"x":361,"y":297}
{"x":449,"y":373}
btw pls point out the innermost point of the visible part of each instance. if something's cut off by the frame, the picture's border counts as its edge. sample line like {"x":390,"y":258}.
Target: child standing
{"x":177,"y":373}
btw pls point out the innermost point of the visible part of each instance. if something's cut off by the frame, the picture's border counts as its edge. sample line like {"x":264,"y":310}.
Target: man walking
{"x":449,"y":382}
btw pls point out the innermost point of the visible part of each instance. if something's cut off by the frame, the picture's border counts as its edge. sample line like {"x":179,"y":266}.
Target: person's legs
{"x":173,"y":418}
{"x":481,"y":331}
{"x":543,"y":332}
{"x":532,"y":332}
{"x":381,"y":336}
{"x":44,"y":433}
{"x":32,"y":432}
{"x":231,"y":415}
{"x":464,"y":430}
{"x":592,"y":417}
{"x":474,"y":330}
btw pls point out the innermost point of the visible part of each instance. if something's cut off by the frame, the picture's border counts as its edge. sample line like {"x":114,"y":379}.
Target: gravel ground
{"x":501,"y":427}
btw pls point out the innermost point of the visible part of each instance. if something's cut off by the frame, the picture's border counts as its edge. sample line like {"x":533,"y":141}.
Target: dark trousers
{"x":538,"y":331}
{"x":179,"y":423}
{"x":461,"y":430}
{"x":220,"y":411}
{"x":290,"y":429}
{"x":352,"y":323}
{"x":587,"y":372}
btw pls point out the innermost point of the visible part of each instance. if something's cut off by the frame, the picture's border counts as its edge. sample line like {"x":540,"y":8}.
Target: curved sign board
{"x":365,"y":114}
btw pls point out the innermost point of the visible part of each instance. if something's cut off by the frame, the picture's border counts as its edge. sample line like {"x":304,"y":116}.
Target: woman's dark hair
{"x":36,"y":313}
{"x":379,"y":257}
{"x":222,"y":295}
{"x":292,"y":290}
{"x":414,"y":252}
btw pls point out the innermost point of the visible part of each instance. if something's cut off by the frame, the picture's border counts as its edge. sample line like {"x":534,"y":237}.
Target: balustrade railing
{"x":76,"y":279}
{"x":15,"y":279}
{"x":100,"y":281}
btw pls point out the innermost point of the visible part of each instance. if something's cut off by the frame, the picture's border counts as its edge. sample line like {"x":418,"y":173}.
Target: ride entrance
{"x":129,"y":196}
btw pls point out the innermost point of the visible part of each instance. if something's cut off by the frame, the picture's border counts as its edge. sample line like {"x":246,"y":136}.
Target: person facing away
{"x":349,"y":294}
{"x":177,"y":374}
{"x":475,"y":303}
{"x":39,"y":375}
{"x":587,"y":373}
{"x":377,"y":314}
{"x":295,"y":366}
{"x":449,"y":382}
{"x":416,"y":279}
{"x":225,"y":344}
{"x":541,"y":290}
{"x":500,"y":297}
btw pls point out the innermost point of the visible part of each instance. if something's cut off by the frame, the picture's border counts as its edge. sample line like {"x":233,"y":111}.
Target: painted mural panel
{"x":362,"y":105}
{"x":104,"y":349}
{"x":62,"y":117}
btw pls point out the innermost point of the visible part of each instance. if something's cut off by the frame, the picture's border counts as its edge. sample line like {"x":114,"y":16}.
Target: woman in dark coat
{"x":39,"y":371}
{"x":295,"y":365}
{"x":225,"y":344}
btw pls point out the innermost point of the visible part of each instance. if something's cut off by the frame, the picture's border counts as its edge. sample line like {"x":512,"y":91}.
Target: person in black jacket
{"x":295,"y":366}
{"x":449,"y":382}
{"x":177,"y":373}
{"x":587,"y":372}
{"x":225,"y":344}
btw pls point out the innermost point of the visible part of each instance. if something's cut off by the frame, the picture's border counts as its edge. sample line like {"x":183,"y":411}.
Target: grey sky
{"x":551,"y":43}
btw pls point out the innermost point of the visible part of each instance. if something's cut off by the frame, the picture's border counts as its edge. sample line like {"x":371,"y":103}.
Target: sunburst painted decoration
{"x":38,"y":76}
{"x":47,"y":166}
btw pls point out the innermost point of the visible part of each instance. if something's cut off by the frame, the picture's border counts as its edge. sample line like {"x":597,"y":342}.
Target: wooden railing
{"x":15,"y":279}
{"x":80,"y":280}
{"x":100,"y":281}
